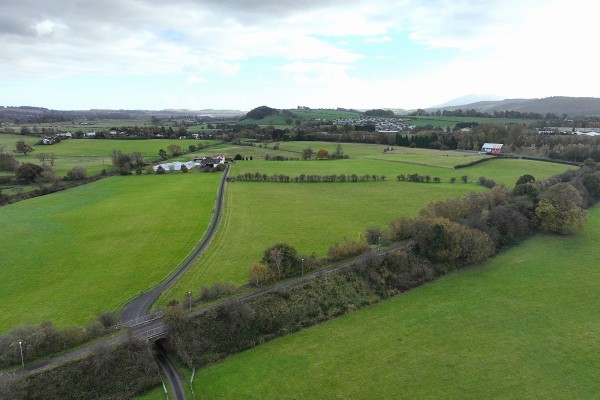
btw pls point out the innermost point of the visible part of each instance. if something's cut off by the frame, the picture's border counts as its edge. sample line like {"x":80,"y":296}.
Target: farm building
{"x":174,"y":166}
{"x":491,"y":148}
{"x":209,"y":161}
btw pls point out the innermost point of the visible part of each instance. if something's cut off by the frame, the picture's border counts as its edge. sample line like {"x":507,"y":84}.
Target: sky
{"x":240,"y":54}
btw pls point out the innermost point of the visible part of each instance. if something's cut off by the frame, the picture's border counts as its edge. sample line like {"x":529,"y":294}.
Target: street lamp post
{"x":22,"y":359}
{"x":302,"y":266}
{"x":190,"y":294}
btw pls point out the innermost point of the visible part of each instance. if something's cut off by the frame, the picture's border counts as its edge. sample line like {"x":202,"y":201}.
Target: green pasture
{"x":70,"y":255}
{"x":310,"y":217}
{"x":522,"y":325}
{"x":443,"y":122}
{"x":507,"y":171}
{"x":326,"y":114}
{"x":93,"y":154}
{"x":313,"y":216}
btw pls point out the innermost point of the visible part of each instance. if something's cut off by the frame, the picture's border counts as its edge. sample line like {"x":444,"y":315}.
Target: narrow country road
{"x":138,"y":307}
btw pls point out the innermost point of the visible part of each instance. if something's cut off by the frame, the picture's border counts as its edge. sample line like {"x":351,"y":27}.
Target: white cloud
{"x":379,"y":39}
{"x":192,"y":80}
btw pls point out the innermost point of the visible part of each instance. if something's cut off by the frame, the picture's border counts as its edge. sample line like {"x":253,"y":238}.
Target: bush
{"x":348,"y":249}
{"x":218,"y":289}
{"x":488,"y":183}
{"x":76,"y":173}
{"x":400,"y":229}
{"x":373,"y":236}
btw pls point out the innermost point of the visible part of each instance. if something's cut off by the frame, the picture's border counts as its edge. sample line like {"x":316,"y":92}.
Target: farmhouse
{"x":209,"y":161}
{"x":491,"y":148}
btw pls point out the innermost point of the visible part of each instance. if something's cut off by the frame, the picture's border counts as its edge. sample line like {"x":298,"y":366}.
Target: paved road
{"x":171,"y":374}
{"x":138,"y":307}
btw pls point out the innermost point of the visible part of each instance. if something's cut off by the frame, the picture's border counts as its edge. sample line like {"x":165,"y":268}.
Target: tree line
{"x":306,"y":178}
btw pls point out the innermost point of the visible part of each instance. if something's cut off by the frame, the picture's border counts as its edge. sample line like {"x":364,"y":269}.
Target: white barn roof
{"x":492,"y":146}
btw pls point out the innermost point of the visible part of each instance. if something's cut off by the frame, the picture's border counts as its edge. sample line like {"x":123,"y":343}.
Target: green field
{"x":443,"y":122}
{"x":92,"y":154}
{"x":71,"y":255}
{"x":522,"y":325}
{"x":313,"y":216}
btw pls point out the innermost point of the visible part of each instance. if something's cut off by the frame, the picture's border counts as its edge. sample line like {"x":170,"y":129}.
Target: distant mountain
{"x":469,"y":99}
{"x":559,"y":105}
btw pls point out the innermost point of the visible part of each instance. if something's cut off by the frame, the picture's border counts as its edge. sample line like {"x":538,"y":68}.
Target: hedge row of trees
{"x":310,"y":178}
{"x":110,"y":372}
{"x":45,"y":339}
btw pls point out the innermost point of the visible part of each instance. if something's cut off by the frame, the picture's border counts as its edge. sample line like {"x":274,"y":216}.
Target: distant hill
{"x":468,"y":99}
{"x":573,"y":106}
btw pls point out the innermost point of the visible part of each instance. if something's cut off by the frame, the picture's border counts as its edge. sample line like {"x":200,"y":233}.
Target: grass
{"x":92,"y":154}
{"x":443,"y":122}
{"x":68,"y":256}
{"x":312,"y":217}
{"x":522,"y":325}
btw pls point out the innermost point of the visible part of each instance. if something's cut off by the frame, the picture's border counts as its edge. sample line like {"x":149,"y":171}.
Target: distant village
{"x":384,"y":125}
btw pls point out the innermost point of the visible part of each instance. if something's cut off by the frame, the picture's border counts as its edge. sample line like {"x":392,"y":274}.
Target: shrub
{"x":373,"y":236}
{"x":400,"y":229}
{"x":76,"y":173}
{"x":488,"y":183}
{"x":218,"y":289}
{"x":348,"y":249}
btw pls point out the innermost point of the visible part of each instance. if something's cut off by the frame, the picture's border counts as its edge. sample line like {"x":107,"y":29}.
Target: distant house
{"x":491,"y":148}
{"x":90,"y":134}
{"x":209,"y":161}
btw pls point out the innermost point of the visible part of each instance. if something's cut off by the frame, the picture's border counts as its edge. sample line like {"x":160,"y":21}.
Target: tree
{"x":8,"y":163}
{"x":28,"y":173}
{"x":527,"y":178}
{"x":339,"y":153}
{"x":282,"y":259}
{"x":160,"y":170}
{"x":259,"y":274}
{"x":184,"y":169}
{"x":174,"y":149}
{"x":238,"y":157}
{"x":464,"y":178}
{"x":559,"y":209}
{"x":322,"y":154}
{"x":307,"y":153}
{"x":163,"y":154}
{"x":22,"y":147}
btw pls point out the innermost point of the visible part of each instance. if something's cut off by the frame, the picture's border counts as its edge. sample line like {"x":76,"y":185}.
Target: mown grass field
{"x":522,"y":325}
{"x":313,"y":216}
{"x":71,"y":255}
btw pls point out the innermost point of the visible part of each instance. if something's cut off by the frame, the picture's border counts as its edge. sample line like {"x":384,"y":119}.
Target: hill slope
{"x":574,"y":106}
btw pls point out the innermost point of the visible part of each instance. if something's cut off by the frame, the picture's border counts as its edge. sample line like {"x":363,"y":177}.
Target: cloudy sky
{"x":239,"y":54}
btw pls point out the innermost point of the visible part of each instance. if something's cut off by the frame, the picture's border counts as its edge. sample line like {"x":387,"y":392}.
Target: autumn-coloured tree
{"x":322,"y":154}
